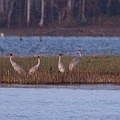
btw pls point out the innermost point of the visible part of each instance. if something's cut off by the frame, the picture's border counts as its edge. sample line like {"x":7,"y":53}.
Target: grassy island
{"x":91,"y":70}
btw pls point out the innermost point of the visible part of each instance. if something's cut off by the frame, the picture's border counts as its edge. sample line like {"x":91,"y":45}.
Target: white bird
{"x":16,"y":67}
{"x":75,"y":61}
{"x":35,"y":68}
{"x":61,"y":65}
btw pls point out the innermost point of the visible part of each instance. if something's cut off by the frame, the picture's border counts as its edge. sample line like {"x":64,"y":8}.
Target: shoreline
{"x":5,"y":85}
{"x":95,"y":31}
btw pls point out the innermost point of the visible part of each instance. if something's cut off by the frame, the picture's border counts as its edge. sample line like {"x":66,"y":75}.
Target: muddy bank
{"x":111,"y":31}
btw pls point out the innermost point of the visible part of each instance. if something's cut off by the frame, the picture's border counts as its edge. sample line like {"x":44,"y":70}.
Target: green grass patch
{"x":91,"y":70}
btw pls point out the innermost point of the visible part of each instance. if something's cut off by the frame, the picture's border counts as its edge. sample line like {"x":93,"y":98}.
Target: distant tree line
{"x":20,"y":13}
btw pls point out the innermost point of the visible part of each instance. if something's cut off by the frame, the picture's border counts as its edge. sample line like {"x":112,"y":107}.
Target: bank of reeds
{"x":91,"y":70}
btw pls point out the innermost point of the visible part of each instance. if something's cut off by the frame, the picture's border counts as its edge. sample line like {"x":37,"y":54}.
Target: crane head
{"x":60,"y":54}
{"x":11,"y":54}
{"x":79,"y":50}
{"x":38,"y":56}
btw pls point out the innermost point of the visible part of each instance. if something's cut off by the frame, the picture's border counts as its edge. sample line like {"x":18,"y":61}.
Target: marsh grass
{"x":91,"y":70}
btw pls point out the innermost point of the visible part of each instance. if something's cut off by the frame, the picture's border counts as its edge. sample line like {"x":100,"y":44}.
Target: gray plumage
{"x":35,"y":68}
{"x":16,"y":67}
{"x":75,"y":61}
{"x":61,"y":65}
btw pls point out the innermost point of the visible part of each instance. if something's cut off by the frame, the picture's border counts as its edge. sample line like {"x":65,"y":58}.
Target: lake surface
{"x":54,"y":45}
{"x":80,"y":102}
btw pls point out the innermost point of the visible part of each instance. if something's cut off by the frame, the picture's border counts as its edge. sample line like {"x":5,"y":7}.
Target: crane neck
{"x":11,"y":59}
{"x":59,"y":58}
{"x":38,"y":62}
{"x":79,"y":54}
{"x":12,"y":62}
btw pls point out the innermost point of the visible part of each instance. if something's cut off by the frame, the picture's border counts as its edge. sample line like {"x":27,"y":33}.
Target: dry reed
{"x":91,"y":70}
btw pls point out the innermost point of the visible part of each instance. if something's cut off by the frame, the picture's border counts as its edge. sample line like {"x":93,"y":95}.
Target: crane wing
{"x":18,"y":69}
{"x":61,"y":66}
{"x":33,"y":69}
{"x":74,"y":63}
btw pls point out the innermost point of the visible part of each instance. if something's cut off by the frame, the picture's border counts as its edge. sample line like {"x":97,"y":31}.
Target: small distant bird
{"x":75,"y":61}
{"x":35,"y":68}
{"x":16,"y":67}
{"x":61,"y":65}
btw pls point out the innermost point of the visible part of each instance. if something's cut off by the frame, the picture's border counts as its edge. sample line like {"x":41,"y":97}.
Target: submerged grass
{"x":91,"y":70}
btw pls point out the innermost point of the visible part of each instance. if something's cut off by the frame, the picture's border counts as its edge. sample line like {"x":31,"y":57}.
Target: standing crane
{"x":16,"y":67}
{"x":61,"y":65}
{"x":35,"y":68}
{"x":75,"y":61}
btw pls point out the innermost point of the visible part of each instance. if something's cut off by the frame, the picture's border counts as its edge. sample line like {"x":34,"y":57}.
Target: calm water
{"x":55,"y":45}
{"x":84,"y":102}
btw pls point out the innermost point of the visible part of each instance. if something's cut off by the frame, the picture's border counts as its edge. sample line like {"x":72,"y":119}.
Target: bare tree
{"x":28,"y":11}
{"x":2,"y":10}
{"x":69,"y":10}
{"x":41,"y":23}
{"x":61,"y":11}
{"x":79,"y":10}
{"x":61,"y":8}
{"x":10,"y":10}
{"x":83,"y":11}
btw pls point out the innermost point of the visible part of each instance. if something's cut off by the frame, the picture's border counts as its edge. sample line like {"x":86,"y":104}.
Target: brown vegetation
{"x":91,"y":70}
{"x":111,"y":31}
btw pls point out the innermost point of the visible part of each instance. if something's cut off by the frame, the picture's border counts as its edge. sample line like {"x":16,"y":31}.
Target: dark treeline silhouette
{"x":21,"y":13}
